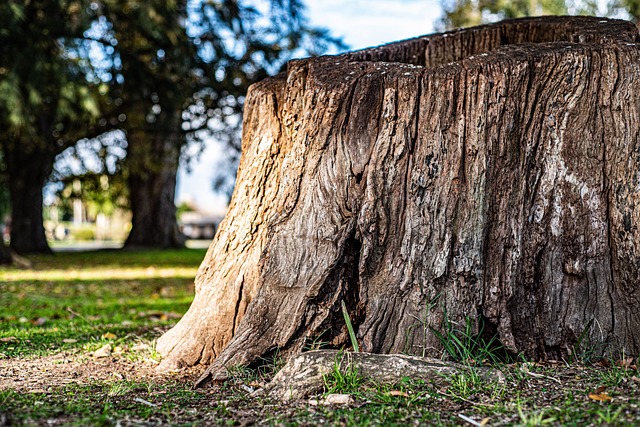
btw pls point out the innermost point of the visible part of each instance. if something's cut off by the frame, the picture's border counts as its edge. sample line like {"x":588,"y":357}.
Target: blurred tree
{"x":180,"y":69}
{"x":46,"y":103}
{"x":465,"y":13}
{"x":5,"y":254}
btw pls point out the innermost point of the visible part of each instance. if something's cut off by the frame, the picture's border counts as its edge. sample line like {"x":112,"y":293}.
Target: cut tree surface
{"x":489,"y":173}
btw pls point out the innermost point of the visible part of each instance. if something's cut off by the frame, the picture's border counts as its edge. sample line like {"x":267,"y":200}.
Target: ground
{"x":77,"y":348}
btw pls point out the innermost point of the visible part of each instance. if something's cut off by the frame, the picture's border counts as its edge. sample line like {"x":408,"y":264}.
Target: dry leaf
{"x":104,"y":351}
{"x":69,"y":340}
{"x":625,"y":363}
{"x":398,"y":393}
{"x":109,"y":336}
{"x":600,"y":397}
{"x":39,"y":321}
{"x":8,"y":339}
{"x":600,"y":389}
{"x":140,"y":347}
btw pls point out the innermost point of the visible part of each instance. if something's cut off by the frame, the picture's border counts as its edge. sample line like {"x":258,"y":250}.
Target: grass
{"x":74,"y":303}
{"x":71,"y":300}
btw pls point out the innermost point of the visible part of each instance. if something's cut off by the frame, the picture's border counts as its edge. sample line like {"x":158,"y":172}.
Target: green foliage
{"x":45,"y":99}
{"x":341,"y":379}
{"x":467,"y":345}
{"x":465,"y":13}
{"x":352,"y":334}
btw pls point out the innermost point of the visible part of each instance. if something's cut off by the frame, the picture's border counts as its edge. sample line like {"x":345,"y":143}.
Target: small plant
{"x":352,"y":334}
{"x":421,"y":323}
{"x":463,"y":346}
{"x":584,"y":349}
{"x":607,"y":416}
{"x":119,"y":388}
{"x":536,"y":418}
{"x":272,"y":363}
{"x":464,"y":384}
{"x":341,"y":380}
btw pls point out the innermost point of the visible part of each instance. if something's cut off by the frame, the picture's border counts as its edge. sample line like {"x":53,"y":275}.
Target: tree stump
{"x":490,"y":173}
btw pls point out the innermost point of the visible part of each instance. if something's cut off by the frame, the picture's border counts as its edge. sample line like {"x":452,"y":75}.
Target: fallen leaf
{"x":104,"y":351}
{"x":625,"y":363}
{"x":8,"y":339}
{"x":109,"y":336}
{"x":69,"y":340}
{"x":39,"y":321}
{"x":140,"y":346}
{"x":600,"y":389}
{"x":600,"y":397}
{"x":398,"y":393}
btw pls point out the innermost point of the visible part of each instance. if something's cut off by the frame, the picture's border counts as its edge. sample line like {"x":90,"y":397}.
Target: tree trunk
{"x":27,"y":170}
{"x":489,"y":173}
{"x":153,"y":156}
{"x":5,"y":253}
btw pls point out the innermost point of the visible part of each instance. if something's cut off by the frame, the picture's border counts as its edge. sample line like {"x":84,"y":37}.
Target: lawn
{"x":77,"y":339}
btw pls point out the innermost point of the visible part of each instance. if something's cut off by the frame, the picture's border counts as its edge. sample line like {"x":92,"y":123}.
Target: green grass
{"x":70,"y":300}
{"x":104,"y":403}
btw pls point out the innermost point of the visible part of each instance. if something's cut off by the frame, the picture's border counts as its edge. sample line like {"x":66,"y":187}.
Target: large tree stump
{"x":494,"y":169}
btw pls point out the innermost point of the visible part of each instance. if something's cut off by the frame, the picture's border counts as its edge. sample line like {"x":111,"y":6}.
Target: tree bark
{"x":5,"y":253}
{"x":489,"y":173}
{"x":153,"y":156}
{"x":28,"y":168}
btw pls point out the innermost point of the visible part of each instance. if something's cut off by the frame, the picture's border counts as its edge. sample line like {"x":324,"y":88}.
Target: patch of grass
{"x":341,"y":379}
{"x":72,"y":300}
{"x":466,"y":345}
{"x":104,"y":403}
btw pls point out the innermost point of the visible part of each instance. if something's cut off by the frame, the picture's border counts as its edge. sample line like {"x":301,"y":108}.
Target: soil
{"x":44,"y":374}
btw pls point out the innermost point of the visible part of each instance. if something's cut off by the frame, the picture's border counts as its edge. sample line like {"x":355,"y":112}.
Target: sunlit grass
{"x":99,"y":273}
{"x":70,"y":300}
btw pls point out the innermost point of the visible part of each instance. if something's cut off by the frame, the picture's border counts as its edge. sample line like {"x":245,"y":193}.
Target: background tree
{"x":180,"y":70}
{"x":5,"y":254}
{"x":46,"y":103}
{"x":466,"y":13}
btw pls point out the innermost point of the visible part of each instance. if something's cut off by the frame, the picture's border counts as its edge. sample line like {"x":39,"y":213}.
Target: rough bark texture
{"x":152,"y":160}
{"x":493,"y":171}
{"x":28,"y":169}
{"x":303,"y":375}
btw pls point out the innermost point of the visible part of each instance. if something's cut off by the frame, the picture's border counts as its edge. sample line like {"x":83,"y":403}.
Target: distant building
{"x":197,"y":225}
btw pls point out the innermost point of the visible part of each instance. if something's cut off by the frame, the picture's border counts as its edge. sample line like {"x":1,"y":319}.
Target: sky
{"x":360,"y":23}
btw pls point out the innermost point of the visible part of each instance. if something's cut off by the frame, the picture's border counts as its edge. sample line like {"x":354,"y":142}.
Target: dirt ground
{"x":44,"y":374}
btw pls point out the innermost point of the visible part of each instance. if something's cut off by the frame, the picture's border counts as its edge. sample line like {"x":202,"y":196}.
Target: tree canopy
{"x":466,"y":13}
{"x":165,"y":72}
